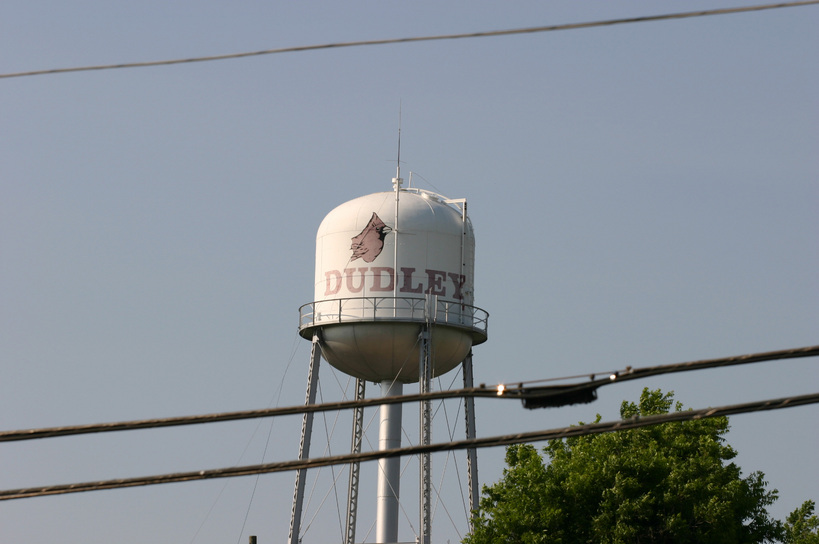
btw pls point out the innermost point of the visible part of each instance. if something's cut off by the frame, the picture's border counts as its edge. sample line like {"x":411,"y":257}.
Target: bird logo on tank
{"x":367,"y":245}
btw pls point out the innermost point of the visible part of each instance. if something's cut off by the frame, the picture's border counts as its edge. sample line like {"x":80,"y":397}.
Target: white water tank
{"x":387,"y":265}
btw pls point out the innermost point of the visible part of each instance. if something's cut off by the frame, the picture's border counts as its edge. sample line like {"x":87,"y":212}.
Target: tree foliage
{"x":668,"y":483}
{"x":802,"y":526}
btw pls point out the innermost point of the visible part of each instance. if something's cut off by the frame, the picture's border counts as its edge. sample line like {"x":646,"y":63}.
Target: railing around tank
{"x":406,"y":309}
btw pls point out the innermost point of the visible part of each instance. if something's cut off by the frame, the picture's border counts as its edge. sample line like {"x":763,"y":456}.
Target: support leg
{"x":304,"y":443}
{"x":471,"y":453}
{"x":355,"y":447}
{"x":425,"y":382}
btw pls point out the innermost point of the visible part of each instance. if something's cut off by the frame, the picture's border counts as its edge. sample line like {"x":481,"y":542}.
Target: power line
{"x":487,"y":34}
{"x":553,"y":395}
{"x":503,"y":440}
{"x":10,"y":436}
{"x":561,"y":395}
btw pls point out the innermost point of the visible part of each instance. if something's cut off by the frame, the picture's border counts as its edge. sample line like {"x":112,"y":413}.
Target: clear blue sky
{"x":641,"y":194}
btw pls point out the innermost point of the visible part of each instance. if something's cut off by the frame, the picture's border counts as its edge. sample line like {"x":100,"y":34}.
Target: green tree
{"x":802,"y":526}
{"x":668,"y":483}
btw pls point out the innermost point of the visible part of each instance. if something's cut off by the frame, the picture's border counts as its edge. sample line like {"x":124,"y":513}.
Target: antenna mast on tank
{"x":397,"y":181}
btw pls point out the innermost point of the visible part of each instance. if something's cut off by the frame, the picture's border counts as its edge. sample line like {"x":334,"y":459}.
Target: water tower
{"x":393,"y":304}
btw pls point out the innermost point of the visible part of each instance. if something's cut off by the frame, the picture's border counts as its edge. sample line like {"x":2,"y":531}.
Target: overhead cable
{"x":557,"y":394}
{"x":584,"y":392}
{"x":28,"y":434}
{"x":487,"y":34}
{"x":503,"y":440}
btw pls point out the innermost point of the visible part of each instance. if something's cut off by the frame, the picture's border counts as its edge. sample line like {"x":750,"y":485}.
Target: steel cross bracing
{"x":355,"y":447}
{"x":304,"y":443}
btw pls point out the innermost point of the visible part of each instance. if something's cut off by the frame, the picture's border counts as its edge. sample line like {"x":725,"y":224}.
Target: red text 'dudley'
{"x":381,"y":279}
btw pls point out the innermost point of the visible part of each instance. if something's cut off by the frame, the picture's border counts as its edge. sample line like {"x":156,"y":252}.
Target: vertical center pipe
{"x":389,"y":470}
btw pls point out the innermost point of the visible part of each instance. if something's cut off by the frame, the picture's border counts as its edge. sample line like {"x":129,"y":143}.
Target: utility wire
{"x":487,"y":34}
{"x":523,"y":391}
{"x":561,"y":395}
{"x":630,"y":373}
{"x":503,"y":440}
